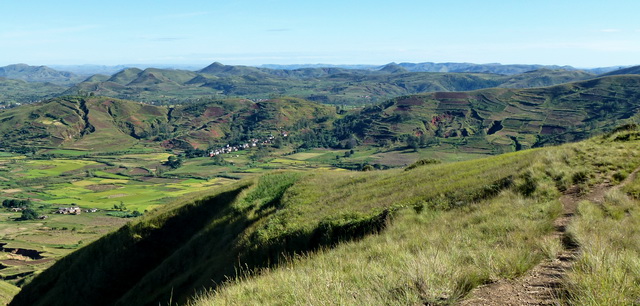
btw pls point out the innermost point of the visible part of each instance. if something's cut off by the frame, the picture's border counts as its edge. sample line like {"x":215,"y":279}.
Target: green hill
{"x":500,"y":120}
{"x":428,"y":234}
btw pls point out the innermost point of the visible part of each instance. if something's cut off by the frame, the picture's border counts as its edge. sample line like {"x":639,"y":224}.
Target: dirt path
{"x":543,"y":284}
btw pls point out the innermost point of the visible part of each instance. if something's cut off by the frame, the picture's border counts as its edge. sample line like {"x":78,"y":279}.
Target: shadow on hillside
{"x":174,"y":255}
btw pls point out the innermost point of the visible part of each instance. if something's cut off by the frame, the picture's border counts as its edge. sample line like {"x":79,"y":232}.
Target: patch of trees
{"x":16,"y":203}
{"x":193,"y":153}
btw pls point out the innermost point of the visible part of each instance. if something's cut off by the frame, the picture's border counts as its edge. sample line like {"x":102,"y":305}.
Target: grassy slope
{"x":497,"y":208}
{"x":435,"y":257}
{"x":608,"y":270}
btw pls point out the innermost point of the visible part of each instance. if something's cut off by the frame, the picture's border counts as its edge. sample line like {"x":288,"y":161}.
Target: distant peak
{"x":393,"y":68}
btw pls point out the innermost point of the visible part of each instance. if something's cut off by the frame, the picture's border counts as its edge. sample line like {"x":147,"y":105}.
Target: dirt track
{"x":542,"y":285}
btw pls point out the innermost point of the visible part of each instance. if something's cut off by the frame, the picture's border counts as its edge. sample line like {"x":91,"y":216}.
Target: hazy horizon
{"x":582,"y":34}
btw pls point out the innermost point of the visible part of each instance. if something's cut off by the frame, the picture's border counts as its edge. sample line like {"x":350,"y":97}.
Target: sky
{"x":580,"y":33}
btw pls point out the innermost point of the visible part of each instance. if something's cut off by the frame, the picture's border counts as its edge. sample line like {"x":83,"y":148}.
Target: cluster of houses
{"x":75,"y":210}
{"x":251,"y":144}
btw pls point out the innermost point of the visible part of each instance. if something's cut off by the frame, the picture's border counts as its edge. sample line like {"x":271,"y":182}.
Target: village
{"x":251,"y":144}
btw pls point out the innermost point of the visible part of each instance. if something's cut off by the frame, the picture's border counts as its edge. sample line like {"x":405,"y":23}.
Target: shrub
{"x":580,"y":177}
{"x":422,"y":162}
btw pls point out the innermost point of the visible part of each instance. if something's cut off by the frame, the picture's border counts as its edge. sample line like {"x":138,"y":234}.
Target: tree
{"x":29,"y":214}
{"x":173,"y":162}
{"x":277,"y":143}
{"x":413,"y":142}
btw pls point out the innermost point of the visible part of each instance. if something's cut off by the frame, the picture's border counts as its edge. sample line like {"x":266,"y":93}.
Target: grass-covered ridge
{"x":244,"y":224}
{"x":431,"y":256}
{"x":427,"y":235}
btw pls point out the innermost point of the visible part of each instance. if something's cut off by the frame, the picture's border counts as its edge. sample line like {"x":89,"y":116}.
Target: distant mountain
{"x":301,"y":66}
{"x":603,"y":70}
{"x":327,"y":85}
{"x":39,"y":74}
{"x":87,"y":70}
{"x":545,"y":77}
{"x":630,"y":70}
{"x":477,"y":68}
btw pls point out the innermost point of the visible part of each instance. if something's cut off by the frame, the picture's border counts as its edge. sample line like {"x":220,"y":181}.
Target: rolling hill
{"x":99,"y":123}
{"x":486,"y":121}
{"x":630,"y":70}
{"x":501,"y":119}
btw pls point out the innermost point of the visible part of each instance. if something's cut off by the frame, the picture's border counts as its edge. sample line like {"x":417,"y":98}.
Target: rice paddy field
{"x":102,"y":182}
{"x":118,"y":184}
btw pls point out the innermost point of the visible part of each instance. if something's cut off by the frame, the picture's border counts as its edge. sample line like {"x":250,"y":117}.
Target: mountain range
{"x":353,"y":85}
{"x":326,"y":85}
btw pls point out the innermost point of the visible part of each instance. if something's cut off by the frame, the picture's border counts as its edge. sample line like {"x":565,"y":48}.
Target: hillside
{"x":39,"y":74}
{"x":13,"y":92}
{"x":426,"y":234}
{"x":327,"y":85}
{"x":630,"y":70}
{"x":500,"y":120}
{"x":486,"y":121}
{"x":99,"y":123}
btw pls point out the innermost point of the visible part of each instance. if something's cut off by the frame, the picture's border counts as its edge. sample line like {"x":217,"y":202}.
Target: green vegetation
{"x":608,"y":268}
{"x":428,"y":235}
{"x":455,"y":124}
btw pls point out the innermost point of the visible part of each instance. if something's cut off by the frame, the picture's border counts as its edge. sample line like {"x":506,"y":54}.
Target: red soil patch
{"x":214,"y":112}
{"x":138,"y":171}
{"x":410,"y":101}
{"x":551,"y":129}
{"x":451,"y":95}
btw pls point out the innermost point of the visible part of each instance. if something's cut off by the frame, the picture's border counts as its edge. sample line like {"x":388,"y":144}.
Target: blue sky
{"x":251,"y":32}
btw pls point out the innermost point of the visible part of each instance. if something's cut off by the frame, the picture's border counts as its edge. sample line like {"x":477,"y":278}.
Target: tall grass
{"x":608,"y":270}
{"x":430,"y":257}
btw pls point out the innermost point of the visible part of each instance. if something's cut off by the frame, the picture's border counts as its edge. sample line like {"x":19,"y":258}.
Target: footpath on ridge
{"x":543,"y":284}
